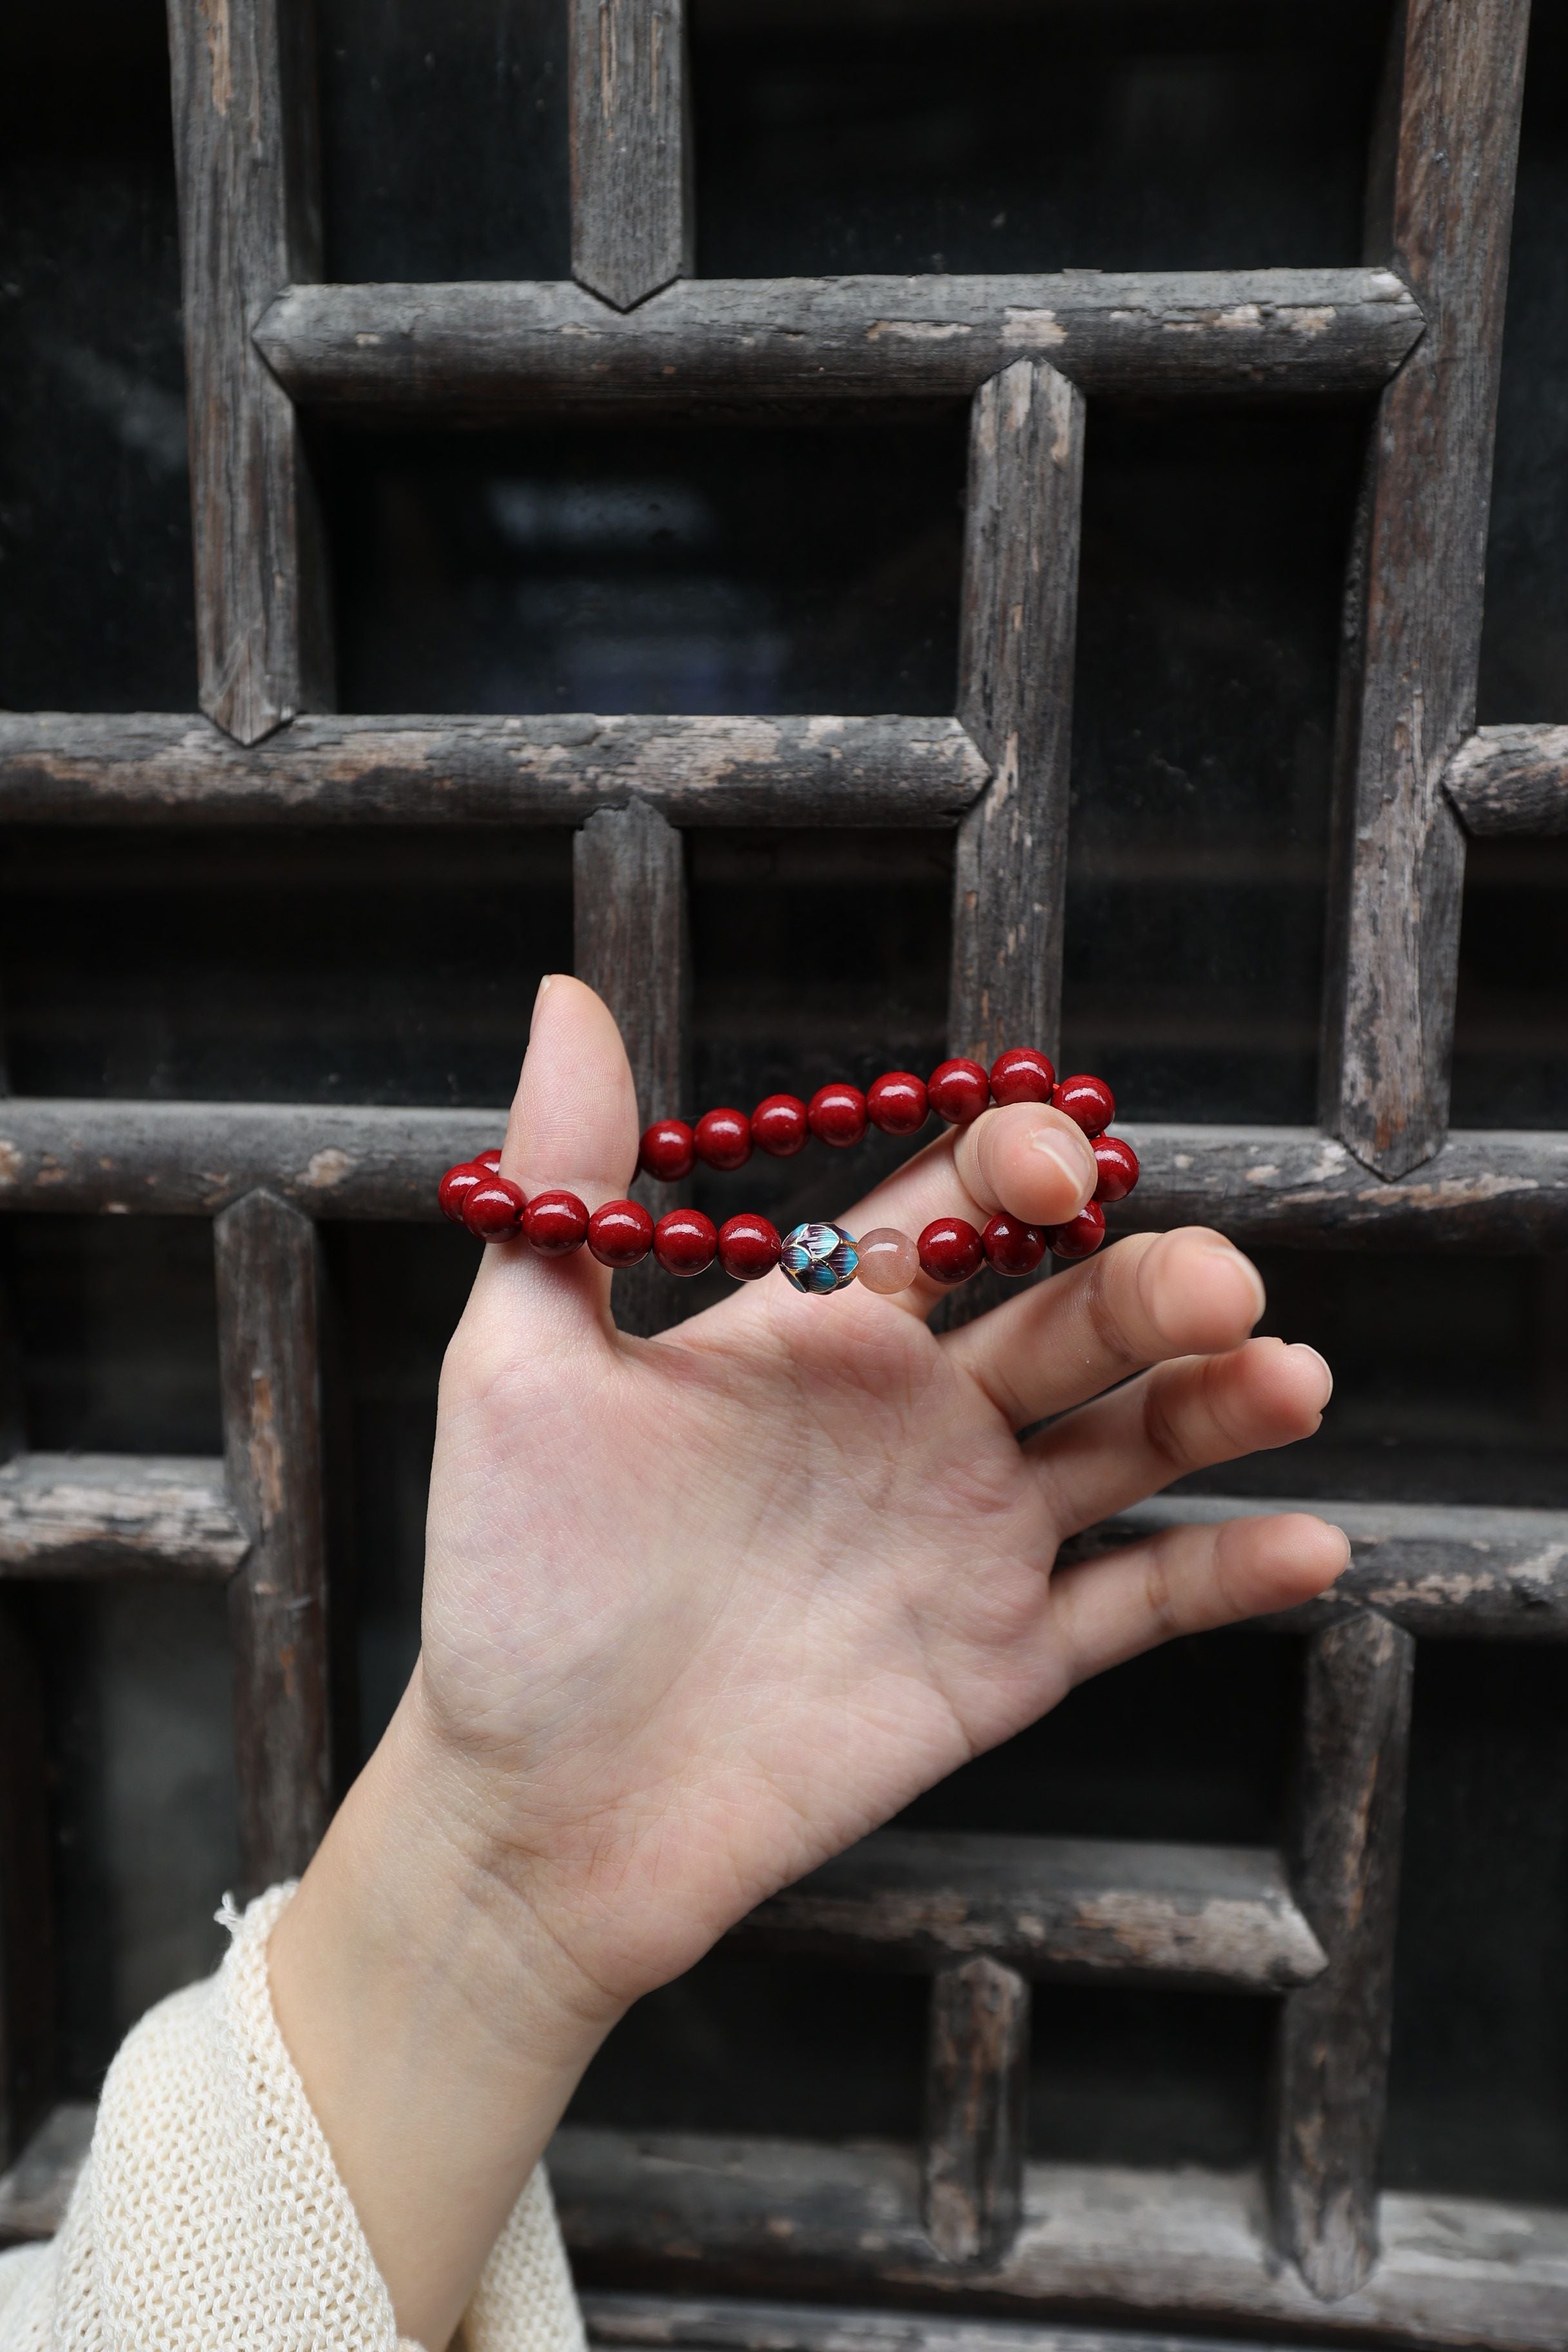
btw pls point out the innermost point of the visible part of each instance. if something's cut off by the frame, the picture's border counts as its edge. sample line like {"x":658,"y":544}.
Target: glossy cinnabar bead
{"x":668,"y":1151}
{"x":838,"y":1113}
{"x":1011,"y":1246}
{"x":748,"y":1248}
{"x":494,"y":1209}
{"x":685,"y":1242}
{"x":723,"y":1138}
{"x":489,"y":1160}
{"x":454,"y":1187}
{"x":1022,"y":1075}
{"x":1118,"y":1165}
{"x":780,"y":1126}
{"x":1081,"y":1235}
{"x":959,"y":1091}
{"x":1088,"y":1100}
{"x":620,"y":1234}
{"x":555,"y":1224}
{"x":950,"y":1250}
{"x":897,"y":1103}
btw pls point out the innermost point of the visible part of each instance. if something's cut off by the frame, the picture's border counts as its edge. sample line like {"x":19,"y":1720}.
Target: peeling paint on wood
{"x":97,"y":1514}
{"x":1511,"y":780}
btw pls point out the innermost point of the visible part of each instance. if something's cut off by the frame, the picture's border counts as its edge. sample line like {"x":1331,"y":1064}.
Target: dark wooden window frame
{"x":1310,"y":2248}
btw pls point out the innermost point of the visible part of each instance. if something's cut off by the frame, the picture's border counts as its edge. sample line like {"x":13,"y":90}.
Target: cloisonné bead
{"x":1011,"y":1246}
{"x":897,"y":1103}
{"x":950,"y":1250}
{"x":555,"y":1224}
{"x":490,"y":1161}
{"x":889,"y":1260}
{"x":819,"y":1258}
{"x":838,"y":1113}
{"x":959,"y":1091}
{"x":494,"y":1209}
{"x":780,"y":1126}
{"x":1022,"y":1075}
{"x":620,"y":1234}
{"x":723,"y":1138}
{"x":1088,"y":1100}
{"x":454,"y":1187}
{"x":1081,"y":1235}
{"x":1118,"y":1165}
{"x":686,"y":1242}
{"x":749,"y":1248}
{"x":668,"y":1151}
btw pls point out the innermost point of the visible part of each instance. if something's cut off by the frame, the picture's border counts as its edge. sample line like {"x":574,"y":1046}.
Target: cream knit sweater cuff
{"x":210,"y":2213}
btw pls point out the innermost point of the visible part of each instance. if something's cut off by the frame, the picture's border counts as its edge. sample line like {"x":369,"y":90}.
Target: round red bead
{"x":1013,"y":1247}
{"x":685,"y":1242}
{"x":1081,"y":1235}
{"x":1118,"y":1165}
{"x":950,"y":1250}
{"x":1088,"y":1100}
{"x":620,"y":1234}
{"x":454,"y":1187}
{"x":723,"y":1138}
{"x":780,"y":1126}
{"x":1022,"y":1075}
{"x":748,"y":1248}
{"x":489,"y":1160}
{"x":897,"y":1103}
{"x":494,"y":1209}
{"x":668,"y":1151}
{"x":838,"y":1113}
{"x":959,"y":1091}
{"x":555,"y":1224}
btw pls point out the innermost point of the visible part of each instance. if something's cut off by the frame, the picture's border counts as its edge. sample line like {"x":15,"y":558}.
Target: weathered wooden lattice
{"x":1311,"y":2247}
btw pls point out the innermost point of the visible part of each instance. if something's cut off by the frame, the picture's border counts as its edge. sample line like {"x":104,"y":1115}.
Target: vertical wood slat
{"x":628,"y":874}
{"x":977,"y":2079}
{"x":245,"y":152}
{"x":1442,"y":206}
{"x":268,"y":1320}
{"x":1332,"y":2066}
{"x":631,"y":158}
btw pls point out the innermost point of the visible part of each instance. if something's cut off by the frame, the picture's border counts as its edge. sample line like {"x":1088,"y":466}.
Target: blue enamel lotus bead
{"x":819,"y":1258}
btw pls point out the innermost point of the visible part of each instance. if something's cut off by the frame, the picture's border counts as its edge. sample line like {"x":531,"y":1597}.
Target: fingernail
{"x":1219,"y":1247}
{"x":1345,"y":1540}
{"x":542,"y":991}
{"x":1301,"y":1348}
{"x":1063,"y":1153}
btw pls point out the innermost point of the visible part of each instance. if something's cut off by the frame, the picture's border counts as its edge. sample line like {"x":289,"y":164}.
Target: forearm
{"x":436,"y":2027}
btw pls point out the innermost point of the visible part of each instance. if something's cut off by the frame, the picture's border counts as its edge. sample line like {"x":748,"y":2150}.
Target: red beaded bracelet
{"x":815,"y":1257}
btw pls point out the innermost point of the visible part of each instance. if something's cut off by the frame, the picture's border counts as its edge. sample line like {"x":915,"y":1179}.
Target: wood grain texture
{"x":629,"y":920}
{"x":268,"y":1321}
{"x":1079,"y":1908}
{"x":715,"y":2323}
{"x":27,"y":1988}
{"x":1331,"y":2065}
{"x":631,"y":151}
{"x":471,"y":351}
{"x":699,"y":2214}
{"x":1510,"y":779}
{"x":101,"y":1515}
{"x":1414,"y":620}
{"x":245,"y":158}
{"x":977,"y":2073}
{"x":75,"y":768}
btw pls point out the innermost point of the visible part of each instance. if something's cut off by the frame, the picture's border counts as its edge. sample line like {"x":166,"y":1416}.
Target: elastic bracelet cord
{"x":817,"y":1256}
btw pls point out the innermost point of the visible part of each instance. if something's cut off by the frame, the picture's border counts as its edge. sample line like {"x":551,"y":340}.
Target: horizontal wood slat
{"x":36,"y":2190}
{"x":1511,"y":780}
{"x":470,"y":351}
{"x":1074,"y":1907}
{"x":756,"y":2216}
{"x":71,"y":768}
{"x":117,"y":1514}
{"x":716,"y":2324}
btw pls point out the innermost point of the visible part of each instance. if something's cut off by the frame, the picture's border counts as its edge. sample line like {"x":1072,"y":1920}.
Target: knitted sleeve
{"x":210,"y":2212}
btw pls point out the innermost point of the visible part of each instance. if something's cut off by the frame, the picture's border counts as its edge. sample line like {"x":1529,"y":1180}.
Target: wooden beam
{"x":631,"y":150}
{"x":245,"y":156}
{"x":1331,"y":2074}
{"x":1414,"y":618}
{"x":1510,"y":779}
{"x":654,"y":2323}
{"x":84,"y":767}
{"x":471,"y":351}
{"x":1083,"y":1908}
{"x":268,"y":1283}
{"x":977,"y":2080}
{"x":628,"y":876}
{"x":95,"y":1514}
